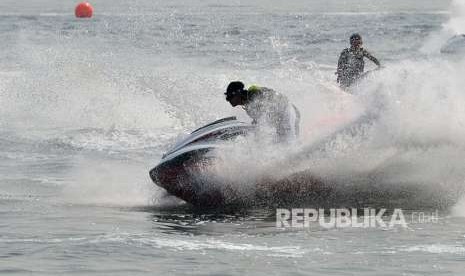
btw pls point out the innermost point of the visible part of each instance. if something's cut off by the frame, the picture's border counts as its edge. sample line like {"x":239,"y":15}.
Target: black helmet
{"x":355,"y":37}
{"x":234,"y":88}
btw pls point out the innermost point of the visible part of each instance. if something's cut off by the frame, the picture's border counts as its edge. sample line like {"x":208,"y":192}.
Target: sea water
{"x":88,"y":107}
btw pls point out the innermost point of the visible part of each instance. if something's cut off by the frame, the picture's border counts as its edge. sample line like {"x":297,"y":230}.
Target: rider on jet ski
{"x":351,"y":65}
{"x":266,"y":107}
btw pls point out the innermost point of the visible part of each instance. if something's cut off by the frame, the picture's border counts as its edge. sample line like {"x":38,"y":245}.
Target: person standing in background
{"x":351,"y":64}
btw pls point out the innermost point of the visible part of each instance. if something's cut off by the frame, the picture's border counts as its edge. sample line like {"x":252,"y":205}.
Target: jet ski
{"x":178,"y":168}
{"x":455,"y":45}
{"x":291,"y":181}
{"x":181,"y":172}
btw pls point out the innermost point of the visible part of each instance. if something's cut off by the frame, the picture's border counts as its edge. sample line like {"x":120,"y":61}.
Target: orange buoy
{"x":84,"y":10}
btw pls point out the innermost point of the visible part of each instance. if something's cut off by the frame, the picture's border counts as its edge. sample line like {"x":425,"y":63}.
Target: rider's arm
{"x":371,"y":57}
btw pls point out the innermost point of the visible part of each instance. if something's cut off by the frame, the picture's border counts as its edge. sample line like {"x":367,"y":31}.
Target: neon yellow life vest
{"x":254,"y":89}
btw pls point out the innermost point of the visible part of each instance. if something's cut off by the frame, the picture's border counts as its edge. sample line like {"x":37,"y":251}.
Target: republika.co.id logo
{"x":342,"y":218}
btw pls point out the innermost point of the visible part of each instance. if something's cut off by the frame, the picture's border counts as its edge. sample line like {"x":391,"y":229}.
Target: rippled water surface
{"x":88,"y":107}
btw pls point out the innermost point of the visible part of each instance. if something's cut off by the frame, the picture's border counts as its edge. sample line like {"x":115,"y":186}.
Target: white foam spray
{"x":454,"y":26}
{"x":416,"y":143}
